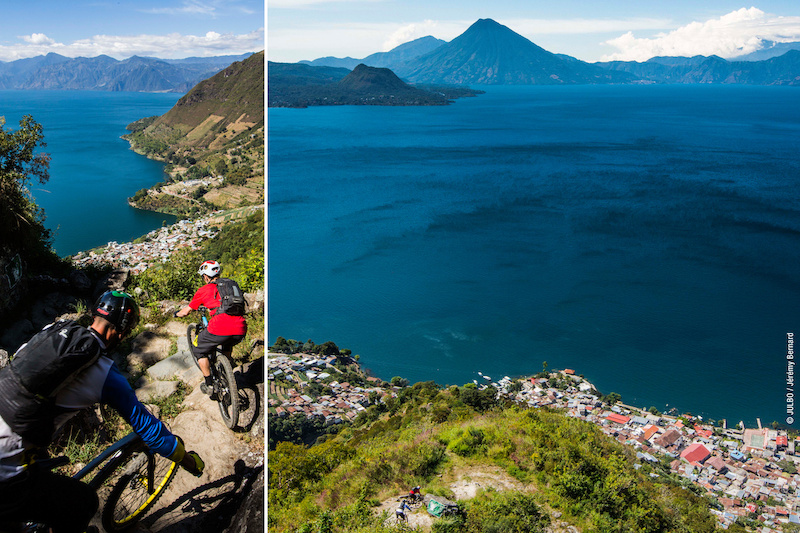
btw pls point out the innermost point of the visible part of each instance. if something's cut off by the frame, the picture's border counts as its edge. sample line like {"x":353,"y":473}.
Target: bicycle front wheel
{"x":191,"y":336}
{"x":228,"y":393}
{"x":144,"y":478}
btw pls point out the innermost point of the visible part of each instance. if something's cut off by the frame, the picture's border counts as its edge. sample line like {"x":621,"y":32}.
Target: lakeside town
{"x":157,"y":246}
{"x":749,"y":472}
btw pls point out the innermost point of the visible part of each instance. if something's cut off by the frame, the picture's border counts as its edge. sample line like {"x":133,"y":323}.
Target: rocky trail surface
{"x":229,"y":495}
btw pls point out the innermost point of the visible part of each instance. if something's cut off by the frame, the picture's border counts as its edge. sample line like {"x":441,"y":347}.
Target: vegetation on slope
{"x":427,"y":435}
{"x":212,"y":141}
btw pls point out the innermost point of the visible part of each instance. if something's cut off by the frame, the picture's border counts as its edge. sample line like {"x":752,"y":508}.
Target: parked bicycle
{"x":225,"y":388}
{"x":139,"y":478}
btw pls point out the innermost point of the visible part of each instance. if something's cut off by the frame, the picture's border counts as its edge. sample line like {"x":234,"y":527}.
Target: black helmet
{"x":119,"y":308}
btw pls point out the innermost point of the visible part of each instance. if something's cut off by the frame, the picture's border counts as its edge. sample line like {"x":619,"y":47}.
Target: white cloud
{"x":38,"y":39}
{"x":171,"y":46}
{"x":441,"y":30}
{"x":737,"y":33}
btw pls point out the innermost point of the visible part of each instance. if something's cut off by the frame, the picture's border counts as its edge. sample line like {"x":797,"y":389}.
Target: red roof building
{"x":649,"y":431}
{"x":618,"y":418}
{"x":703,"y":432}
{"x":696,"y":453}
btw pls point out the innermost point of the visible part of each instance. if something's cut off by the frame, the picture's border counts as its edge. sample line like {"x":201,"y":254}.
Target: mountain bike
{"x":414,"y":501}
{"x":225,"y":388}
{"x":139,"y":478}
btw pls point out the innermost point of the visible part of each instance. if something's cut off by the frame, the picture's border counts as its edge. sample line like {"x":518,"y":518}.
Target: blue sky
{"x":591,"y":30}
{"x":167,"y":29}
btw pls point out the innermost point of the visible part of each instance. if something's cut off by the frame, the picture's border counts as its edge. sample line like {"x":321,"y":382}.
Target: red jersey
{"x":220,"y":323}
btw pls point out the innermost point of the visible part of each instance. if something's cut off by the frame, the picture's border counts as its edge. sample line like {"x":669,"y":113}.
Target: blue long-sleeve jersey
{"x":101,"y":382}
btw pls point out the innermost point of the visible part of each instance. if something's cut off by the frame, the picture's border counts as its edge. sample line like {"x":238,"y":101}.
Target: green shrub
{"x":468,"y":443}
{"x":176,"y":279}
{"x":506,"y":512}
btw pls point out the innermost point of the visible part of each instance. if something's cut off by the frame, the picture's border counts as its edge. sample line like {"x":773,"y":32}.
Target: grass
{"x":80,"y":450}
{"x":172,"y":405}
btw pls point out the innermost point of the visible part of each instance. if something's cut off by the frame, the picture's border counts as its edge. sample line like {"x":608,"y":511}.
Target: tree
{"x":480,"y":400}
{"x":398,"y":381}
{"x":21,"y":220}
{"x":220,"y":167}
{"x":327,"y":348}
{"x":612,"y":398}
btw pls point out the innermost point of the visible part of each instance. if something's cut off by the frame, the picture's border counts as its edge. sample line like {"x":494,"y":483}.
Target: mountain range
{"x":780,"y":70}
{"x":104,"y":73}
{"x":401,"y":54}
{"x":489,"y":53}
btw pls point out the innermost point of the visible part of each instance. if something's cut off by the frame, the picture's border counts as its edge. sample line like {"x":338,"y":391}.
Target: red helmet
{"x":212,"y":269}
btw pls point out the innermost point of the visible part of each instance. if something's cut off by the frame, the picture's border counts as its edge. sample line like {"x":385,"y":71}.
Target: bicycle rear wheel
{"x":228,"y":392}
{"x":144,"y":478}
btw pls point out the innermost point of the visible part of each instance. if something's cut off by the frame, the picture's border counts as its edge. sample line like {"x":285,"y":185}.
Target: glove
{"x":175,"y":314}
{"x":193,"y":464}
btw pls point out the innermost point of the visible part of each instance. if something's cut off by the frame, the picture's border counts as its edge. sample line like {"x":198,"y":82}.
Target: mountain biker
{"x":37,"y":396}
{"x":414,"y":494}
{"x":400,"y":514}
{"x":223,"y":329}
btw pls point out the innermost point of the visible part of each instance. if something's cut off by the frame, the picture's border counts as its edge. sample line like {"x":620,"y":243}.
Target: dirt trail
{"x":465,"y":485}
{"x":234,"y":465}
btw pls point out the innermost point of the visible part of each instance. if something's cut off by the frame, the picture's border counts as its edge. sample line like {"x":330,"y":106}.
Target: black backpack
{"x":39,"y":370}
{"x":231,"y":298}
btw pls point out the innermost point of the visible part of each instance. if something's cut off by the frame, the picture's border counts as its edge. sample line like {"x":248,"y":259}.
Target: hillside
{"x":155,"y":360}
{"x":299,"y":85}
{"x":213,"y":142}
{"x":104,"y":73}
{"x":508,"y":467}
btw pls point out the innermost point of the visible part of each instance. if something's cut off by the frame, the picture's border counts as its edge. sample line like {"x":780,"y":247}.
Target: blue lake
{"x":646,"y":236}
{"x":92,"y":170}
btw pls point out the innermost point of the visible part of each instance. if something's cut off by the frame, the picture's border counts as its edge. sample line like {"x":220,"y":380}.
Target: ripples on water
{"x":645,"y":236}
